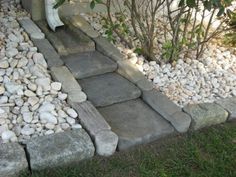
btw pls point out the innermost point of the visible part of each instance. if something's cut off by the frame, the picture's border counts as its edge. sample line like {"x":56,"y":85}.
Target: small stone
{"x":46,"y":107}
{"x":49,"y":132}
{"x":70,"y":120}
{"x":50,"y":126}
{"x":7,"y":135}
{"x":56,"y":86}
{"x":33,"y":100}
{"x":62,"y":96}
{"x":27,"y":130}
{"x":76,"y":126}
{"x":32,"y":86}
{"x":11,"y":52}
{"x":47,"y":117}
{"x":29,"y":93}
{"x":27,"y":117}
{"x":2,"y":90}
{"x":19,"y":102}
{"x":4,"y":64}
{"x":71,"y":112}
{"x":65,"y":126}
{"x":3,"y":99}
{"x":13,"y":87}
{"x":62,"y":114}
{"x":39,"y":59}
{"x":44,"y":83}
{"x":22,"y":62}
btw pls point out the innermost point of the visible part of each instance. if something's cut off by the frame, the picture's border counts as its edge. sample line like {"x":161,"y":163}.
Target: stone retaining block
{"x":205,"y":114}
{"x":230,"y":105}
{"x":59,"y":149}
{"x":12,"y":160}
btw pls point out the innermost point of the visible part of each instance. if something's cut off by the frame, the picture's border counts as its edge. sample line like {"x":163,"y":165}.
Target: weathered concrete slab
{"x":67,"y":41}
{"x":205,"y":114}
{"x":89,"y":64}
{"x":128,"y":70}
{"x":53,"y":59}
{"x":12,"y":160}
{"x":59,"y":149}
{"x":135,"y":123}
{"x":105,"y":47}
{"x":167,"y":109}
{"x":63,"y":75}
{"x":79,"y":22}
{"x":90,"y":118}
{"x":230,"y":105}
{"x":108,"y":89}
{"x":31,"y":28}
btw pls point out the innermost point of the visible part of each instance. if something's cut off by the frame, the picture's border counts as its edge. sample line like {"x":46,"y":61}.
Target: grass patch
{"x":207,"y":153}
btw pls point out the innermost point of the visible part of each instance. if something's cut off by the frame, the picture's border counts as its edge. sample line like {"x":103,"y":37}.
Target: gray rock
{"x":13,"y":87}
{"x":106,"y":143}
{"x":145,"y":85}
{"x":105,"y":47}
{"x":39,"y":59}
{"x":13,"y":160}
{"x":77,"y":96}
{"x":128,"y":70}
{"x":47,"y":117}
{"x":53,"y":59}
{"x":108,"y":89}
{"x":230,"y":105}
{"x":135,"y":123}
{"x":205,"y":114}
{"x":181,"y":121}
{"x":90,"y":118}
{"x":89,"y":64}
{"x":59,"y":149}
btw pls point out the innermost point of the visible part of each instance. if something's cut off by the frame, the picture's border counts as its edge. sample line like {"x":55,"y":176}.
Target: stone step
{"x":89,"y":64}
{"x":107,"y":89}
{"x":66,"y":40}
{"x":135,"y":123}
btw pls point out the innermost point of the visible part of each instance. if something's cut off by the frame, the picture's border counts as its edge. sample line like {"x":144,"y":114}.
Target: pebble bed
{"x":188,"y":81}
{"x":31,"y":104}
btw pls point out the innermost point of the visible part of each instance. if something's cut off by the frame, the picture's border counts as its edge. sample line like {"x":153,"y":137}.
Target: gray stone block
{"x":59,"y":149}
{"x":230,"y":105}
{"x":205,"y":114}
{"x":63,"y":75}
{"x":35,"y":8}
{"x":90,"y":118}
{"x":106,"y":143}
{"x":181,"y":121}
{"x":128,"y":70}
{"x":12,"y":160}
{"x":105,"y":47}
{"x":135,"y":123}
{"x":145,"y":85}
{"x":43,"y":45}
{"x":76,"y":96}
{"x":89,"y":64}
{"x":108,"y":89}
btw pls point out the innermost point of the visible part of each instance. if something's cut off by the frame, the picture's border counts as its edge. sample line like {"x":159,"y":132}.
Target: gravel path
{"x":31,"y":104}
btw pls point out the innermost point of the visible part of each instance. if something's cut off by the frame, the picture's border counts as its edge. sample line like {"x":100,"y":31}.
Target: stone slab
{"x":67,"y":41}
{"x":63,"y":75}
{"x":76,"y":96}
{"x":12,"y":160}
{"x":230,"y":105}
{"x":205,"y":114}
{"x":128,"y":70}
{"x":105,"y":47}
{"x":165,"y":107}
{"x":89,"y":64}
{"x":90,"y":118}
{"x":145,"y":85}
{"x":53,"y":59}
{"x":108,"y":89}
{"x":31,"y":28}
{"x":135,"y":123}
{"x":59,"y":149}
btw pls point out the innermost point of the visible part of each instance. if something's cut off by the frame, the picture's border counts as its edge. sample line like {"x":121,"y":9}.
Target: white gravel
{"x":31,"y":104}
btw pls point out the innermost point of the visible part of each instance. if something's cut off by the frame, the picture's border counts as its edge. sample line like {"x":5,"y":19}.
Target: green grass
{"x":207,"y":153}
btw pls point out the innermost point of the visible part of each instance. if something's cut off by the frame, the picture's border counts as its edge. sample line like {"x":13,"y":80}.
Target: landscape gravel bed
{"x":31,"y":103}
{"x":188,"y":81}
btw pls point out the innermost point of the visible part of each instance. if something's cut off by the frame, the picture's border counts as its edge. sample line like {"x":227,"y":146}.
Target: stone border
{"x":191,"y":117}
{"x":104,"y":139}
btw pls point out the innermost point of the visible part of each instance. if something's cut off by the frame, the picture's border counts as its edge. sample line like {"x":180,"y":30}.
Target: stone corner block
{"x":105,"y":47}
{"x":128,"y":70}
{"x":76,"y":96}
{"x":145,"y":85}
{"x":12,"y":160}
{"x":181,"y":121}
{"x":59,"y":149}
{"x":229,"y":104}
{"x":90,"y":118}
{"x":205,"y":114}
{"x":106,"y":143}
{"x":63,"y":75}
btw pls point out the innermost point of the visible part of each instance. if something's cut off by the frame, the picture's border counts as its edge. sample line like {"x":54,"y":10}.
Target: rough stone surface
{"x":77,"y":96}
{"x":135,"y":123}
{"x":59,"y":149}
{"x":181,"y":121}
{"x":105,"y":47}
{"x":13,"y":160}
{"x":230,"y":105}
{"x":145,"y":85}
{"x":63,"y":75}
{"x":106,"y":143}
{"x":90,"y":118}
{"x":43,"y":45}
{"x":205,"y":114}
{"x":89,"y":64}
{"x":128,"y":70}
{"x":108,"y":89}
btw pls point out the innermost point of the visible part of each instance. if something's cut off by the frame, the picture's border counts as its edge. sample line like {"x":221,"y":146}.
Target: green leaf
{"x":92,"y":4}
{"x":191,"y":3}
{"x":58,"y":3}
{"x":221,"y":11}
{"x":181,"y":3}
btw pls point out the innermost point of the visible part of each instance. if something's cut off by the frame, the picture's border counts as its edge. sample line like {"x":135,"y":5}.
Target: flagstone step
{"x":135,"y":123}
{"x":107,"y":89}
{"x":89,"y":64}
